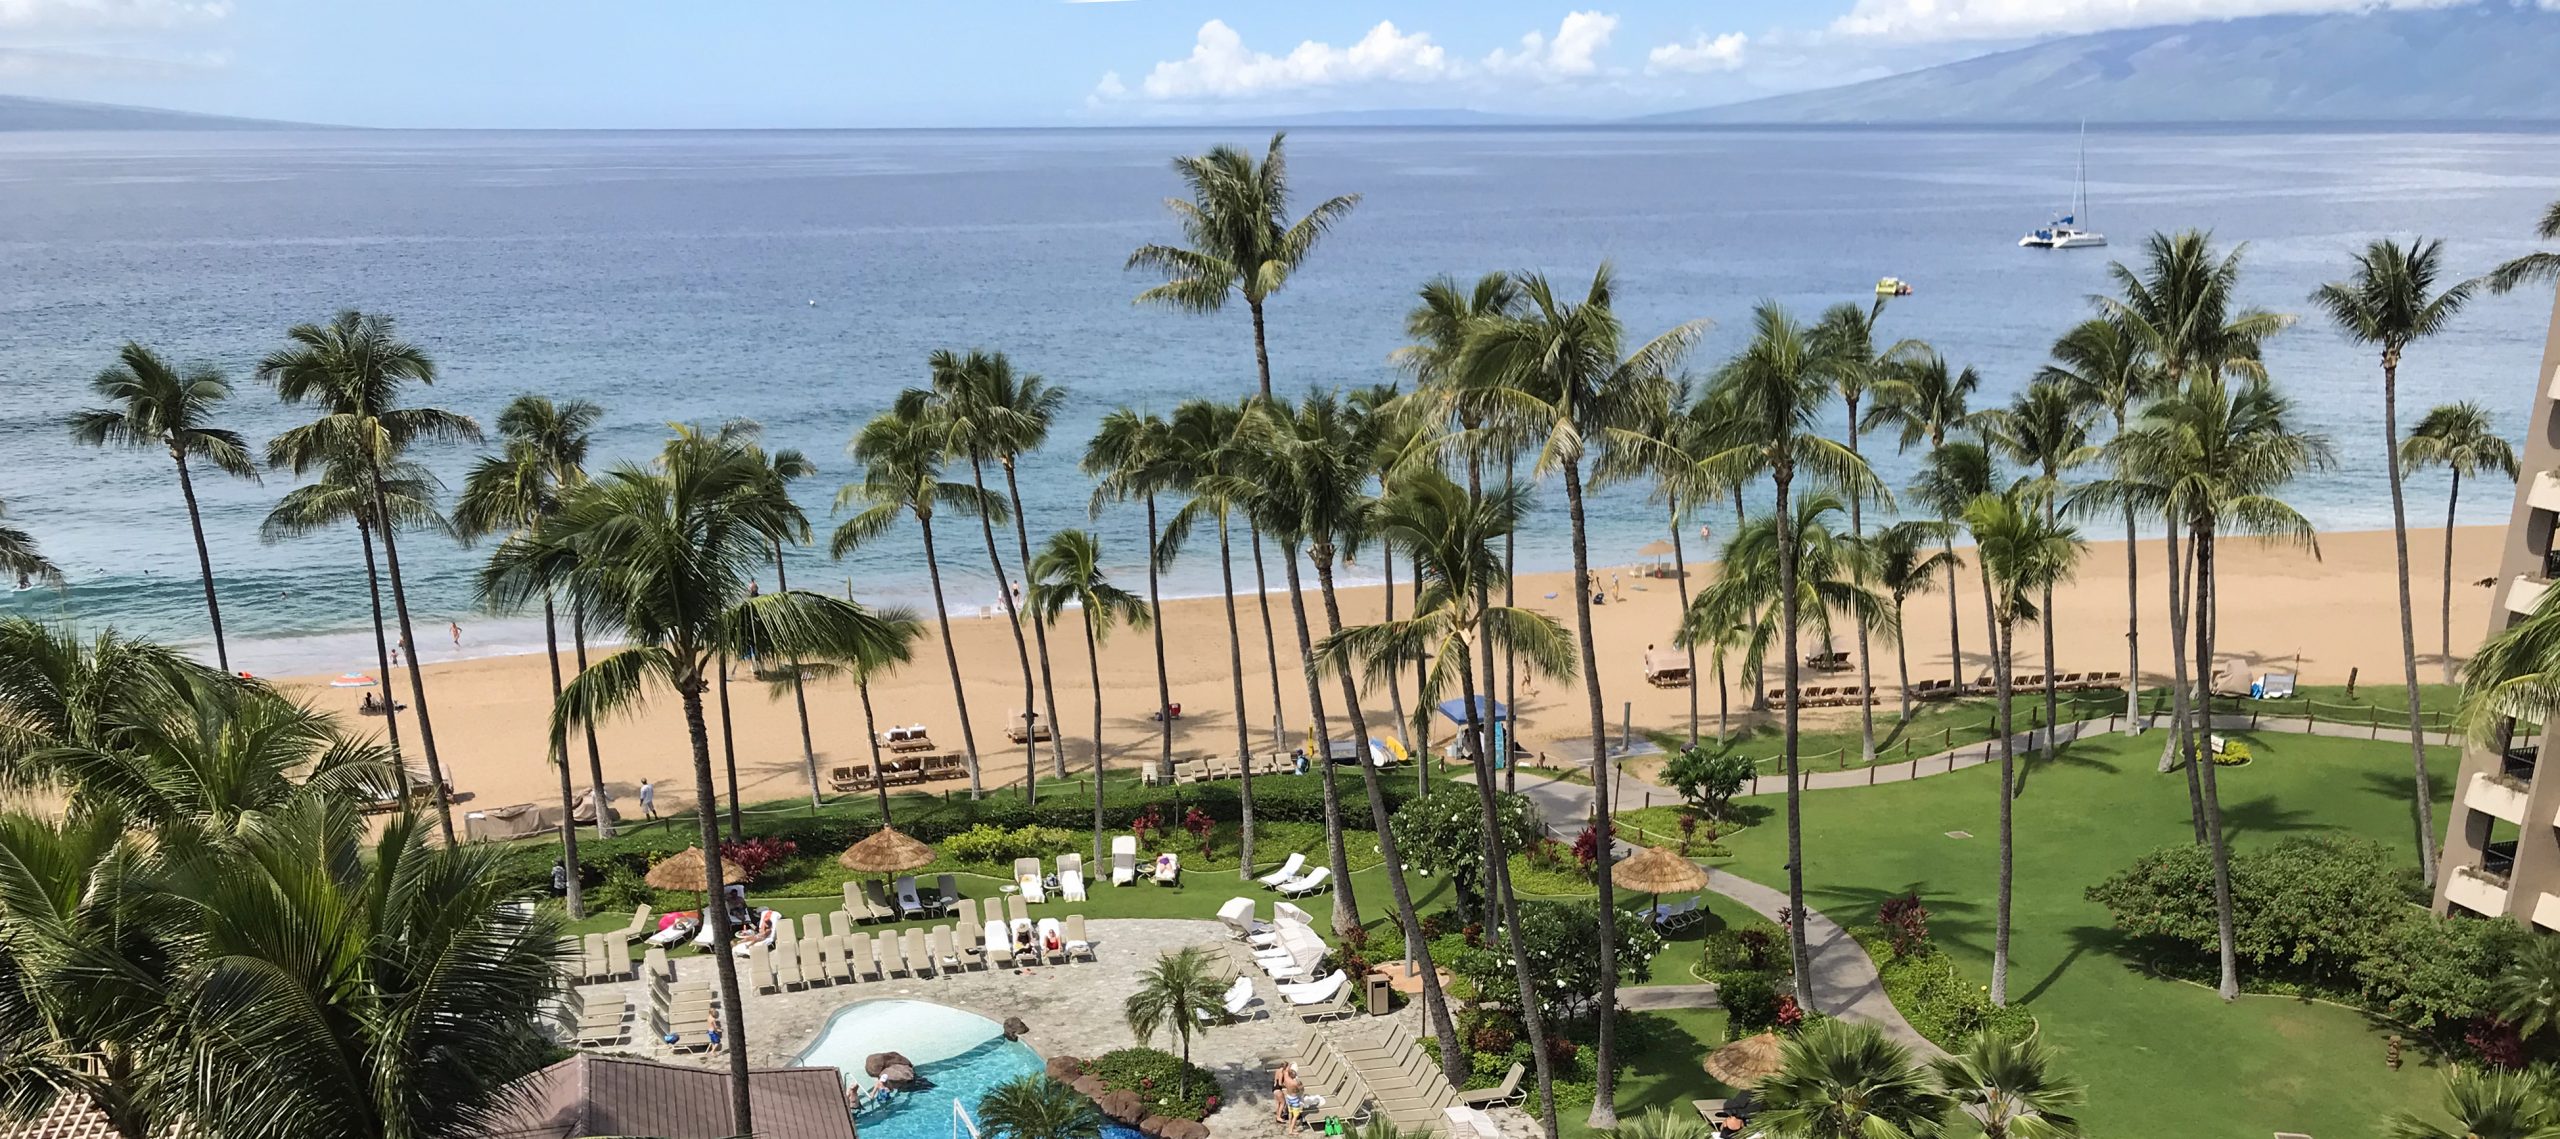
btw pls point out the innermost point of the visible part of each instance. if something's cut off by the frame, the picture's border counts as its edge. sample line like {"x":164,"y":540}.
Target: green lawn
{"x":2160,"y":1057}
{"x":1663,"y":1071}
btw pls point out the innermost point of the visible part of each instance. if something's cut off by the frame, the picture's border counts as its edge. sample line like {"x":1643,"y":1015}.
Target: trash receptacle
{"x":1382,"y":999}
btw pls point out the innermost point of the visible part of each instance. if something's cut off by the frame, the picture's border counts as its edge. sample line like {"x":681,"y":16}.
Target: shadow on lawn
{"x":2263,"y":815}
{"x":1663,"y":1070}
{"x":1952,"y":920}
{"x":2395,"y":784}
{"x":2085,"y":939}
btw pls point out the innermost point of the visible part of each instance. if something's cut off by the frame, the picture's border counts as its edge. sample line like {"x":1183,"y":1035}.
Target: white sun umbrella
{"x":352,"y":680}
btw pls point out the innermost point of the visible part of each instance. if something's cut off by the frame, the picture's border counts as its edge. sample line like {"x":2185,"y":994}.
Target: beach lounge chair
{"x":2275,"y":686}
{"x":838,"y":925}
{"x":1287,"y":871}
{"x":861,"y":959}
{"x":785,"y":962}
{"x":909,"y":904}
{"x":1078,"y":945}
{"x":599,"y":1022}
{"x":843,"y":778}
{"x":1015,"y":909}
{"x":757,"y":976}
{"x":1316,"y":994}
{"x":1021,"y":726}
{"x":1504,"y":1094}
{"x":965,"y":913}
{"x":1050,"y":936}
{"x":1071,"y":877}
{"x":654,"y":965}
{"x":998,"y":947}
{"x":965,"y":940}
{"x":640,"y":925}
{"x":876,"y":896}
{"x":813,"y":961}
{"x":1237,"y":916}
{"x":919,"y":958}
{"x":946,"y":957}
{"x":1308,"y":883}
{"x":1026,"y":874}
{"x":1168,"y":869}
{"x":1124,"y":859}
{"x":948,"y":887}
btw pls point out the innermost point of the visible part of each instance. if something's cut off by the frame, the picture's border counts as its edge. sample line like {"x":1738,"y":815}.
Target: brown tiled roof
{"x":588,"y":1094}
{"x":70,"y":1117}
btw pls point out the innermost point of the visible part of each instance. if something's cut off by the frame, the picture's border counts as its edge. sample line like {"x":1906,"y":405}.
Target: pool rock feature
{"x":1124,"y":1106}
{"x":1065,"y":1069}
{"x":1014,"y":1029}
{"x":878,"y":1063}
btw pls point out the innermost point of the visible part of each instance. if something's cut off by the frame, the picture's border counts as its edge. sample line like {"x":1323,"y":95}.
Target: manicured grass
{"x":2160,"y":1057}
{"x":1683,"y":948}
{"x":1665,"y":1073}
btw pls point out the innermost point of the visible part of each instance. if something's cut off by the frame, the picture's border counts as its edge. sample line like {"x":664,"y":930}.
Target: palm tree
{"x":2044,"y":428}
{"x":901,"y":455}
{"x":59,"y":691}
{"x":2486,"y":1104}
{"x":1905,"y":563}
{"x":1451,"y":536}
{"x":873,"y":657}
{"x":209,"y":754}
{"x":153,"y":404}
{"x":514,"y":492}
{"x":89,"y":965}
{"x":985,"y":412}
{"x":2182,"y":309}
{"x":1950,"y":479}
{"x":2104,"y":368}
{"x":1069,"y":571}
{"x":1394,"y":437}
{"x":1242,"y":241}
{"x":1208,"y":452}
{"x":2024,"y":553}
{"x":2532,"y":267}
{"x":1556,"y":373}
{"x":2009,"y":1086}
{"x":1672,"y":433}
{"x":783,"y":468}
{"x":1015,"y":413}
{"x":1839,"y":1080}
{"x":2390,"y":302}
{"x":325,"y":997}
{"x":2460,"y":438}
{"x":664,"y":555}
{"x":1927,"y":402}
{"x":1037,"y":1107}
{"x":1829,"y":568}
{"x":1133,"y":455}
{"x":353,"y":369}
{"x":2526,"y":994}
{"x":20,"y":558}
{"x":345,"y":492}
{"x":1774,"y":391}
{"x":1180,"y":994}
{"x":1858,"y":366}
{"x":2218,"y":451}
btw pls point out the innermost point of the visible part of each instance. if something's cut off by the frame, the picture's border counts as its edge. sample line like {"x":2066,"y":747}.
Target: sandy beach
{"x":2334,"y":613}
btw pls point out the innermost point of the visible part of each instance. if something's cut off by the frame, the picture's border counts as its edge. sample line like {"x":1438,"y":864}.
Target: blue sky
{"x":864,"y":63}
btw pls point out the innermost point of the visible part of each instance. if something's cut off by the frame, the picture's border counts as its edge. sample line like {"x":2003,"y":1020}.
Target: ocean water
{"x":801,"y":278}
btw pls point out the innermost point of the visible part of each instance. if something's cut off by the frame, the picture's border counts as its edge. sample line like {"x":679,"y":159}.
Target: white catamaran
{"x":2064,"y":232}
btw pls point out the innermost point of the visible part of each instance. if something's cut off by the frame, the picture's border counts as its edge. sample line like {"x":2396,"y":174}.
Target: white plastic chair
{"x":1287,"y":871}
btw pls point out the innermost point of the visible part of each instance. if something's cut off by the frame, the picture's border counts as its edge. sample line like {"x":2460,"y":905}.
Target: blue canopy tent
{"x":1494,"y":714}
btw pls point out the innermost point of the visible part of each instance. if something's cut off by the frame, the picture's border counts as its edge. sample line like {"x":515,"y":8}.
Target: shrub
{"x":621,"y":889}
{"x":2435,"y":972}
{"x":1201,"y":826}
{"x":1443,"y":833}
{"x":1557,"y":939}
{"x":1438,"y":924}
{"x":1587,"y":847}
{"x":2312,"y":905}
{"x":1750,"y":1000}
{"x":756,"y":855}
{"x":1906,"y":923}
{"x":1707,"y":779}
{"x":2496,"y":1043}
{"x":996,"y":845}
{"x":1156,"y":1075}
{"x":2233,"y":754}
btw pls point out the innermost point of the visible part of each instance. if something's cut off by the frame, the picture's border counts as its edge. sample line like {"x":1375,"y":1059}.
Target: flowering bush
{"x":756,"y":855}
{"x":1789,"y":1016}
{"x":1147,"y":823}
{"x":1201,"y":827}
{"x":1906,"y":922}
{"x":1588,"y":845}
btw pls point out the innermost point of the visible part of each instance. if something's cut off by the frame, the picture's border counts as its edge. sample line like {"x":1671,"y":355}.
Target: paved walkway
{"x":1668,"y":996}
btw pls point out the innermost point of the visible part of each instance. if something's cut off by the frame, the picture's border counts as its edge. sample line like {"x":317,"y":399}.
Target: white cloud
{"x":1703,"y":54}
{"x":1572,"y":54}
{"x":2015,"y":19}
{"x":1220,"y":66}
{"x":92,"y":15}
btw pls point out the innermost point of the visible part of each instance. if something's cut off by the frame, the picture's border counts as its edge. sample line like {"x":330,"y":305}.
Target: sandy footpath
{"x":2335,"y":613}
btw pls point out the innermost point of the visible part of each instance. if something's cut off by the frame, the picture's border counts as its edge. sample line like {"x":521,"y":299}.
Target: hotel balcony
{"x":2546,"y":911}
{"x":2479,"y":891}
{"x":2544,"y":494}
{"x":2523,"y":593}
{"x":2497,"y":795}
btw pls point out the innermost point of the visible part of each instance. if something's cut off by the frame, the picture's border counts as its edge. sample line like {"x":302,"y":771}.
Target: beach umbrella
{"x":352,"y":680}
{"x":1657,"y":871}
{"x":685,"y":872}
{"x":1746,"y":1061}
{"x":887,"y":851}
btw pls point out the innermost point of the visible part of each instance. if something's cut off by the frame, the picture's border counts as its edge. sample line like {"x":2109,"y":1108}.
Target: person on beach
{"x":456,"y":626}
{"x":648,"y":800}
{"x":395,"y":656}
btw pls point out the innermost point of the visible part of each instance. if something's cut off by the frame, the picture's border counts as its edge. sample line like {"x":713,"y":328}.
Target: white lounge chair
{"x":999,"y":944}
{"x":1124,"y":859}
{"x":1078,"y":945}
{"x":1237,"y":915}
{"x":1311,"y":882}
{"x":1287,"y":871}
{"x":1317,"y":991}
{"x":1071,"y":877}
{"x":1168,"y":870}
{"x":1238,"y":997}
{"x":1026,"y":875}
{"x":1050,"y":938}
{"x":909,"y":904}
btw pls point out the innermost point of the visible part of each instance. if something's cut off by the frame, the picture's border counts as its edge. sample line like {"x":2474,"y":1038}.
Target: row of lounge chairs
{"x":606,"y":956}
{"x":1294,"y":880}
{"x":1363,"y":1077}
{"x":1826,"y":697}
{"x":1984,"y":684}
{"x":839,"y":954}
{"x":1200,"y":767}
{"x":869,"y":901}
{"x":1070,"y":878}
{"x":898,"y":772}
{"x":680,"y":1012}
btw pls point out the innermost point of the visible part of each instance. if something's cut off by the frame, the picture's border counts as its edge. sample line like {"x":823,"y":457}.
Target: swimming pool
{"x":964,"y":1054}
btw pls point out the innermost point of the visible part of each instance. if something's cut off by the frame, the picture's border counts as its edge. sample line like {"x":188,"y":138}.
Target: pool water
{"x":964,"y":1054}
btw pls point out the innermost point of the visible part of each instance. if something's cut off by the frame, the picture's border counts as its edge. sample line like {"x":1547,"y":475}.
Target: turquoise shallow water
{"x":965,"y":1056}
{"x":800,"y":278}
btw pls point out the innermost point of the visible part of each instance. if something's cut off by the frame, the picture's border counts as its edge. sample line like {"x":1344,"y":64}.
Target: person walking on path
{"x":648,"y":800}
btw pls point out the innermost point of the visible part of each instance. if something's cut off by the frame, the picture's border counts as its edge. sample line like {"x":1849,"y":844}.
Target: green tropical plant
{"x":2010,"y":1086}
{"x":2045,"y":428}
{"x":1037,"y":1107}
{"x":1745,"y":594}
{"x":1181,"y":994}
{"x":2486,"y":1105}
{"x":1858,"y":366}
{"x":205,"y":752}
{"x":2534,"y":267}
{"x":353,"y":370}
{"x":1906,"y":558}
{"x":986,"y":412}
{"x":2526,"y":993}
{"x":1842,"y":1080}
{"x":1926,"y":402}
{"x":1069,"y":571}
{"x":20,"y":558}
{"x":58,"y":691}
{"x":1242,"y":242}
{"x":1663,"y":1123}
{"x":1209,"y":456}
{"x":2105,"y":368}
{"x":154,"y":404}
{"x":2461,"y":438}
{"x":2390,"y":302}
{"x":1133,"y":455}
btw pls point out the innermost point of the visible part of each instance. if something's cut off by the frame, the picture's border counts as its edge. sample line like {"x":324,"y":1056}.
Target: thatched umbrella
{"x":1656,"y":871}
{"x":1746,"y":1061}
{"x":887,"y":851}
{"x":685,"y":872}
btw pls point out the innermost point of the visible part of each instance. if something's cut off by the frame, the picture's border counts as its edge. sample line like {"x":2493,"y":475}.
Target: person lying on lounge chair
{"x":676,"y":927}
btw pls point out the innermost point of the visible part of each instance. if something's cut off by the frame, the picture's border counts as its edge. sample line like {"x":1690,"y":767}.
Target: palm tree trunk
{"x":1039,"y":632}
{"x":417,"y":674}
{"x":1093,"y":655}
{"x":799,"y":691}
{"x":729,"y":754}
{"x":2422,"y":802}
{"x":1866,"y":672}
{"x":1955,"y":624}
{"x":1422,"y":758}
{"x":2452,"y":505}
{"x":1510,"y":666}
{"x":2179,"y":747}
{"x":1435,"y":1004}
{"x":1902,"y":662}
{"x":1164,"y":683}
{"x":1998,"y":663}
{"x":1497,"y":885}
{"x":595,"y":757}
{"x":2003,"y":651}
{"x":1021,"y":647}
{"x":1604,"y":1107}
{"x":204,"y":559}
{"x":733,"y":1013}
{"x":1800,"y":955}
{"x":2052,"y":702}
{"x":2230,"y":987}
{"x":382,"y":658}
{"x":871,"y":728}
{"x":1244,"y":730}
{"x":1261,"y":349}
{"x":1346,"y":908}
{"x":1395,"y":691}
{"x":1270,"y":639}
{"x":2132,"y":619}
{"x":1507,"y":722}
{"x":575,"y":897}
{"x":1680,"y":581}
{"x":950,"y":656}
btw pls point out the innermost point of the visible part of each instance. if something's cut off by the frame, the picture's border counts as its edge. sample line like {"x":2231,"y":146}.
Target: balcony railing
{"x":2498,"y":862}
{"x":2515,"y":767}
